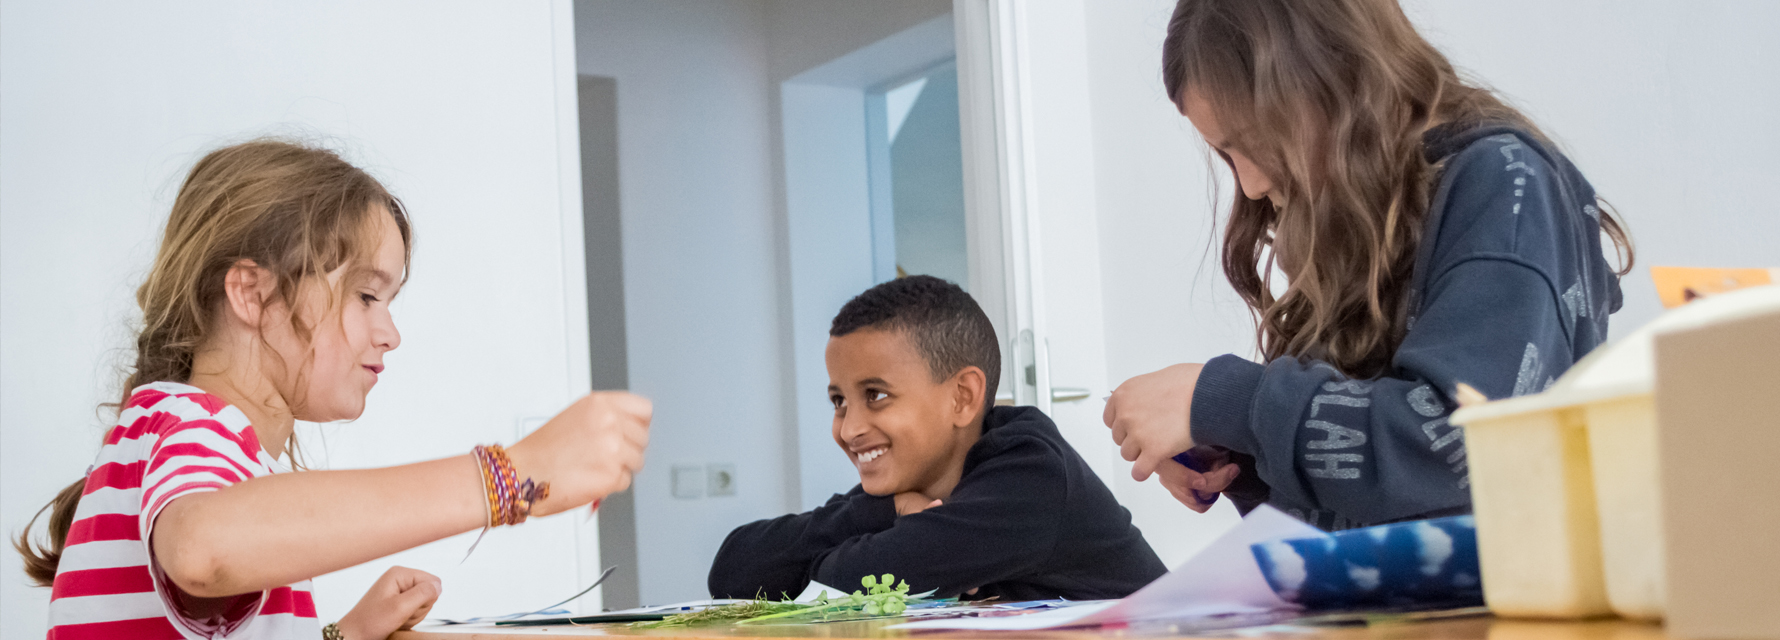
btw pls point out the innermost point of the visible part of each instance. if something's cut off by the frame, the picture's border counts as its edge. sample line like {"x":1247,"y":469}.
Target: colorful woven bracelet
{"x":510,"y":500}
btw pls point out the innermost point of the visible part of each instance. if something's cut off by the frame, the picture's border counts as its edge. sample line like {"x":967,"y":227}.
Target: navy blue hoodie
{"x":1510,"y":288}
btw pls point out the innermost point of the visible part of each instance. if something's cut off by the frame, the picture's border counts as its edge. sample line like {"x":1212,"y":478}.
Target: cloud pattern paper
{"x":1420,"y":563}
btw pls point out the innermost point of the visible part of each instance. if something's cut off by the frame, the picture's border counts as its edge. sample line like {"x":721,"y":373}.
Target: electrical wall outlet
{"x":688,"y":481}
{"x":720,"y":479}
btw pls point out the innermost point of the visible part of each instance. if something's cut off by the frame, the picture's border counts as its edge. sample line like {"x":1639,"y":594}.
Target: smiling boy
{"x":956,"y":495}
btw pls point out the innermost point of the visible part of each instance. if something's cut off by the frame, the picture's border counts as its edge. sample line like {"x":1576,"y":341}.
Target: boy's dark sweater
{"x":1029,"y":520}
{"x":1510,"y":288}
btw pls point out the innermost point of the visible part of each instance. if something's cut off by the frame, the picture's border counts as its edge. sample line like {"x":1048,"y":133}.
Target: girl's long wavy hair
{"x":298,"y":211}
{"x":1330,"y":99}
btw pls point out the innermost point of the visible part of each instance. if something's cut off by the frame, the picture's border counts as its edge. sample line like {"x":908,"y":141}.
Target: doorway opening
{"x":917,"y":177}
{"x":874,"y":189}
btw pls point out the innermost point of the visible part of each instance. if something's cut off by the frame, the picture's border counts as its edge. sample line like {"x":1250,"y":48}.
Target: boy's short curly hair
{"x":944,"y":323}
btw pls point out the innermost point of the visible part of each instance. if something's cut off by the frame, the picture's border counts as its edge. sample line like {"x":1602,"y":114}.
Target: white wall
{"x":1663,"y":105}
{"x":459,"y":108}
{"x":701,"y":278}
{"x":1667,"y":107}
{"x":829,"y":260}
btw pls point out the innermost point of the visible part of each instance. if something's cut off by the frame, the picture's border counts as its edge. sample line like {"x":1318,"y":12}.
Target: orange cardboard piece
{"x":1718,"y":425}
{"x":1678,"y":285}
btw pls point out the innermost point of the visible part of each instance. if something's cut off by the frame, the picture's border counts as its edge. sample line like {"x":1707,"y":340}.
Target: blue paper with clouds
{"x":1420,"y":563}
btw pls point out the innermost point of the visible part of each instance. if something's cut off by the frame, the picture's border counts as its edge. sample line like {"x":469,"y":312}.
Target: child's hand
{"x":913,"y":502}
{"x":1188,"y":485}
{"x":588,"y":451}
{"x":1149,"y":417}
{"x":397,"y":601}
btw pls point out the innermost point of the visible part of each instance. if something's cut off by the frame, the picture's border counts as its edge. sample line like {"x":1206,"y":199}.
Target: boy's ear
{"x":246,"y":286}
{"x":968,"y":387}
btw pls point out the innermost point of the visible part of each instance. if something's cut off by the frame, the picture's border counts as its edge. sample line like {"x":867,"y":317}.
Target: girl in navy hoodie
{"x":1428,"y":234}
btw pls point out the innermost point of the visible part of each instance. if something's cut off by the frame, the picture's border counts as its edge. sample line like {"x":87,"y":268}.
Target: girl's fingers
{"x":1191,"y":500}
{"x":1129,"y":450}
{"x":1181,"y":482}
{"x":1177,"y":476}
{"x":637,"y":435}
{"x":1187,"y":499}
{"x":1220,"y":478}
{"x":398,"y":579}
{"x":1173,"y":475}
{"x":633,"y":461}
{"x":1144,"y":466}
{"x":417,"y":601}
{"x":632,"y":405}
{"x":418,"y":617}
{"x":405,"y":579}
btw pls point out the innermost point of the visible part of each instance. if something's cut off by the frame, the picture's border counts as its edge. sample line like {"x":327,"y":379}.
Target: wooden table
{"x":1471,"y":628}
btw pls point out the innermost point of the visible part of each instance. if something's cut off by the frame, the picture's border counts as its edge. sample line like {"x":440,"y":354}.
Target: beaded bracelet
{"x":509,"y":500}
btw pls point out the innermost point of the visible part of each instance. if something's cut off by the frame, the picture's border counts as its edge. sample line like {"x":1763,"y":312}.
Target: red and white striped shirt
{"x":171,"y":440}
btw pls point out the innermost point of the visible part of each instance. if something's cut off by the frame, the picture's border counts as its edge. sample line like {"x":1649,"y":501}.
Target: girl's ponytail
{"x":41,"y":561}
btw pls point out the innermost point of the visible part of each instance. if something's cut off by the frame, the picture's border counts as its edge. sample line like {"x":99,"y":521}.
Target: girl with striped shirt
{"x":268,"y":302}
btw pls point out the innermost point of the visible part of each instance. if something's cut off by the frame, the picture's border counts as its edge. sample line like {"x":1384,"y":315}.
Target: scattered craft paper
{"x":1677,"y":286}
{"x":564,"y":617}
{"x":559,"y":616}
{"x":1221,"y":579}
{"x":815,"y":590}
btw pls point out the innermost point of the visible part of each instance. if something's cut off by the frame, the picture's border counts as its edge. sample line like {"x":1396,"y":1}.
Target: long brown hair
{"x":298,"y":211}
{"x":1330,"y":98}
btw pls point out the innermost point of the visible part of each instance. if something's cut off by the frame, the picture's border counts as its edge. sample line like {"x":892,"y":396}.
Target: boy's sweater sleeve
{"x":1370,"y":451}
{"x":1002,"y":523}
{"x":773,"y":558}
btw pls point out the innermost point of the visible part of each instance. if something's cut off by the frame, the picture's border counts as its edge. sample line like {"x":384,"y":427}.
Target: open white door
{"x":1034,"y":248}
{"x":1036,"y":262}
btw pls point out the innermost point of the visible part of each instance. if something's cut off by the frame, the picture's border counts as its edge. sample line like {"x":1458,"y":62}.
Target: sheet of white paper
{"x":1222,"y":578}
{"x":563,"y":615}
{"x":679,"y":606}
{"x":810,"y":593}
{"x":1047,"y":619}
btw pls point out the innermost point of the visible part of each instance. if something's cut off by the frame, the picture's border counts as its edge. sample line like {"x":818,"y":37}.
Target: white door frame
{"x":995,"y":107}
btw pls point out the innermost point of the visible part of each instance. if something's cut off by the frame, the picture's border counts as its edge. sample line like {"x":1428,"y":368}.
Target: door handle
{"x":1069,"y":394}
{"x":1058,"y":394}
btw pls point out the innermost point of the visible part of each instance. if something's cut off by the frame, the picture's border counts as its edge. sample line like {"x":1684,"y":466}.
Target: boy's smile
{"x":903,"y":431}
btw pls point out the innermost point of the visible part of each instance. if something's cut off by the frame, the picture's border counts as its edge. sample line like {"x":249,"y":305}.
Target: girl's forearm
{"x":276,"y":530}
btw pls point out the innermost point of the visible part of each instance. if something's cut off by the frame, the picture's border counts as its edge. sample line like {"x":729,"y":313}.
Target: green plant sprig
{"x":878,"y":599}
{"x":882,"y":600}
{"x":724,"y":614}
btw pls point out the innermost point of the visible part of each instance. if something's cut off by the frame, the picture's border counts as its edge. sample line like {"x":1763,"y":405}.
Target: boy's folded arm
{"x":1376,"y":450}
{"x":773,"y":557}
{"x":1002,"y":521}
